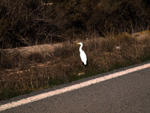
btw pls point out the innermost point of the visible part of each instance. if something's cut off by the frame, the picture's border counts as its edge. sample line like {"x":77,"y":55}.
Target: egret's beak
{"x":77,"y":43}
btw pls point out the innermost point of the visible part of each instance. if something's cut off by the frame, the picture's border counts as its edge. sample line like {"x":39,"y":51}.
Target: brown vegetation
{"x":20,"y":75}
{"x":34,"y":22}
{"x":30,"y":22}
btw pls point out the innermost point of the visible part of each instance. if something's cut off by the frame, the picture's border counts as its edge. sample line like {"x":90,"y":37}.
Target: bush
{"x":29,"y":22}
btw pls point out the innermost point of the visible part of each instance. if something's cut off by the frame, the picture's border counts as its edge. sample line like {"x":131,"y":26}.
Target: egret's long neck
{"x":80,"y":49}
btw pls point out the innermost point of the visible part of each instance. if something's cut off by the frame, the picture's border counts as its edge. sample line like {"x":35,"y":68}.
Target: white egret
{"x":82,"y":54}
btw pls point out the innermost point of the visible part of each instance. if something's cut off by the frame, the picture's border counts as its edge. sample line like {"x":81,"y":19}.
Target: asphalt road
{"x":126,"y":94}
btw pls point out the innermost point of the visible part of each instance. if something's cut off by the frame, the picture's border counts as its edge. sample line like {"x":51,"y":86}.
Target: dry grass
{"x":19,"y":75}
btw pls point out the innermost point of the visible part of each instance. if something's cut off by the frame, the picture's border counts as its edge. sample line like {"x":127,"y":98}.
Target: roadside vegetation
{"x":109,"y":30}
{"x":20,"y":75}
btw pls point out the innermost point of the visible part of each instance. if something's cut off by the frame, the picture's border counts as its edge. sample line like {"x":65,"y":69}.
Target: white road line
{"x":70,"y":88}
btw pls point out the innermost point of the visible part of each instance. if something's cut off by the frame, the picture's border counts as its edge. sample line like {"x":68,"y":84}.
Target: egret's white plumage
{"x":82,"y":54}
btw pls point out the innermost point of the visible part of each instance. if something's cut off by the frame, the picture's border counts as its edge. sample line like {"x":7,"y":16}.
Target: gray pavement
{"x":125,"y":94}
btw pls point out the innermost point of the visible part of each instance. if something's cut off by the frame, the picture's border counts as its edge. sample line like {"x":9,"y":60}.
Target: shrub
{"x":29,"y":22}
